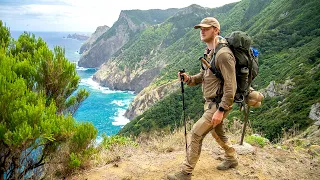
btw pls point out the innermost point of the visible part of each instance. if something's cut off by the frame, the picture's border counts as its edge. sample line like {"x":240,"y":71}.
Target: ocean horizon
{"x":105,"y":108}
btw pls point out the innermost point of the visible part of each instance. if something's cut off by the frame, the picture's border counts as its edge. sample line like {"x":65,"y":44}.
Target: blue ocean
{"x":104,"y":108}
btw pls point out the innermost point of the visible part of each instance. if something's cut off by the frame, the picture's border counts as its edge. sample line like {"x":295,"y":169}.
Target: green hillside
{"x":287,"y":36}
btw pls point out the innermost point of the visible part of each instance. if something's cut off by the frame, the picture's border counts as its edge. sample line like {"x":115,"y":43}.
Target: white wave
{"x":119,"y":119}
{"x":131,"y":92}
{"x":89,"y":82}
{"x":82,"y":68}
{"x":96,"y":86}
{"x":118,"y":102}
{"x":106,"y":90}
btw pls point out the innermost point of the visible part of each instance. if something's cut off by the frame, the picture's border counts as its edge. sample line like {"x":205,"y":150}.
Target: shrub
{"x":256,"y":140}
{"x":84,"y":136}
{"x":109,"y":142}
{"x":74,"y":161}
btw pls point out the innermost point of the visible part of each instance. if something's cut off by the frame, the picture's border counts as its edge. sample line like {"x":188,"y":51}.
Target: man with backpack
{"x":219,"y":97}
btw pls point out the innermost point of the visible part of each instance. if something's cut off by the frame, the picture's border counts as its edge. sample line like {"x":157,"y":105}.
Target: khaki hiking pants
{"x":199,"y":130}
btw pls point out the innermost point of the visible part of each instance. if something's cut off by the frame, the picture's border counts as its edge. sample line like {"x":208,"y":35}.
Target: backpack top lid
{"x":239,"y":39}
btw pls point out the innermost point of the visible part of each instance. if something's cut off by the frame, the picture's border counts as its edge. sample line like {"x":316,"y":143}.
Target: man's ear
{"x":216,"y":31}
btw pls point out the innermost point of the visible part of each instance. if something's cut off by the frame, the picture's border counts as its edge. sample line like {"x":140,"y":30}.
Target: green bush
{"x":74,"y":161}
{"x":83,"y":137}
{"x":109,"y":142}
{"x":256,"y":140}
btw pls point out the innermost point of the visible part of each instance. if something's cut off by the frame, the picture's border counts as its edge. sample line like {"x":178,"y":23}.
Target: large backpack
{"x":247,"y":66}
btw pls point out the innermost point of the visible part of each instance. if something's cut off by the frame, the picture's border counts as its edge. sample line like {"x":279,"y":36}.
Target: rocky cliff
{"x":128,"y":25}
{"x":110,"y":75}
{"x":110,"y":42}
{"x":89,"y":42}
{"x":149,"y":96}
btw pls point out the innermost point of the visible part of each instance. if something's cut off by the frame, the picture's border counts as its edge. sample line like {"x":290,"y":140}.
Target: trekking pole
{"x":184,"y":108}
{"x":246,"y":114}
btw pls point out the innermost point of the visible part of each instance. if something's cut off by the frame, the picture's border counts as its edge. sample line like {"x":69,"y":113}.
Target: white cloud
{"x":81,"y":15}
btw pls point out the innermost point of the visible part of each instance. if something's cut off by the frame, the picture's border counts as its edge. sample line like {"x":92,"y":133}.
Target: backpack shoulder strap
{"x":213,"y":68}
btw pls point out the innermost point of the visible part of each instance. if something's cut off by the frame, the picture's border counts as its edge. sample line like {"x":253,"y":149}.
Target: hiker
{"x":214,"y":112}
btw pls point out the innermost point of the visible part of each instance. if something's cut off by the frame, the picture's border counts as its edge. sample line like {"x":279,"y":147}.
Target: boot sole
{"x":226,"y":168}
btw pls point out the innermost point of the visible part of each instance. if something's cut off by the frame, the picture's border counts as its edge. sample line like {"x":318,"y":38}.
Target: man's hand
{"x":217,"y":118}
{"x":185,"y":77}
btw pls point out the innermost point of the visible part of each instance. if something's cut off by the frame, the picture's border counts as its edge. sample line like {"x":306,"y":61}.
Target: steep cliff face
{"x":89,"y":42}
{"x":110,"y":42}
{"x":110,"y":75}
{"x":149,"y":96}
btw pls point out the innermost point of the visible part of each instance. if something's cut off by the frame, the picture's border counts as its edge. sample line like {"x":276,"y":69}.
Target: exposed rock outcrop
{"x":148,"y":97}
{"x":89,"y":42}
{"x":315,"y":113}
{"x":274,"y":89}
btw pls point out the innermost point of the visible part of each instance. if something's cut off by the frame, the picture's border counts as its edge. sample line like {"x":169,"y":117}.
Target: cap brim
{"x":202,"y":25}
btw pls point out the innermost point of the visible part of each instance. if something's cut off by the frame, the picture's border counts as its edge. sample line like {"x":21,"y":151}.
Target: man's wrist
{"x":221,"y":109}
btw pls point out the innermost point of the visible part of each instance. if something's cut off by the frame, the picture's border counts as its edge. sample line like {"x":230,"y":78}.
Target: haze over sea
{"x":104,"y":108}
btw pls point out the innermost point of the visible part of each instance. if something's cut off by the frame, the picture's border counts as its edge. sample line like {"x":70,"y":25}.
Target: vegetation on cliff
{"x":287,"y":52}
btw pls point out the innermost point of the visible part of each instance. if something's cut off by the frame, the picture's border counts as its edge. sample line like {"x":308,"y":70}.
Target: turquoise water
{"x":104,"y":108}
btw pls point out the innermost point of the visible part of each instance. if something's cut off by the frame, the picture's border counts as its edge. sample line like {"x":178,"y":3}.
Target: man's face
{"x":207,"y":34}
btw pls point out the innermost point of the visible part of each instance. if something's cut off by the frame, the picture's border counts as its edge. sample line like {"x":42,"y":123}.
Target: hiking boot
{"x":227,"y":164}
{"x":180,"y":176}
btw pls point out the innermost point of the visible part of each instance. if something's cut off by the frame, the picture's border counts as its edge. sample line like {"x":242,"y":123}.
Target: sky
{"x":81,"y":15}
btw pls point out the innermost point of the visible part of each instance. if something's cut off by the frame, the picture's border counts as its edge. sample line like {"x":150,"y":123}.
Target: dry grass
{"x":161,"y":153}
{"x":113,"y":155}
{"x":56,"y":164}
{"x":162,"y":143}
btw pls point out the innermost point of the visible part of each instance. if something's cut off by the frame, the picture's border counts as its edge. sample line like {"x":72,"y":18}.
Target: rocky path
{"x":254,"y":163}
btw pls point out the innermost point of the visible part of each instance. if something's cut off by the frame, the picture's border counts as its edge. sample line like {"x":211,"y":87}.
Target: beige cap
{"x":208,"y":22}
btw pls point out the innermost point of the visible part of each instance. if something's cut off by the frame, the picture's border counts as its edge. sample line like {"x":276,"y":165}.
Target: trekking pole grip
{"x":181,"y":76}
{"x":204,"y":61}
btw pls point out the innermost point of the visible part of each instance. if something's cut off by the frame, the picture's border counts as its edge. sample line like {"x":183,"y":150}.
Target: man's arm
{"x":195,"y":79}
{"x":226,"y":63}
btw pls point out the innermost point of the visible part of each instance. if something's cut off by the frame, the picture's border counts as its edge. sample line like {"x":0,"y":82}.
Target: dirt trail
{"x":264,"y":163}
